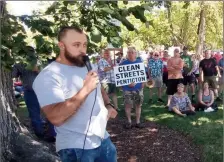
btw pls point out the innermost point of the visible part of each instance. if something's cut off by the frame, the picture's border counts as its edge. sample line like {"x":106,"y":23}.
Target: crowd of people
{"x":76,"y":103}
{"x":181,"y":75}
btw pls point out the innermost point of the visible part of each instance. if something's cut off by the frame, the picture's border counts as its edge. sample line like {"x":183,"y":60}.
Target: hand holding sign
{"x":132,"y":85}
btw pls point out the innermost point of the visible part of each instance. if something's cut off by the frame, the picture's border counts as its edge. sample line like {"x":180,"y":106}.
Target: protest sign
{"x":127,"y":74}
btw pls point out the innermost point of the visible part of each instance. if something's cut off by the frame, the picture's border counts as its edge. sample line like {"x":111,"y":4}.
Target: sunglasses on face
{"x":156,"y":55}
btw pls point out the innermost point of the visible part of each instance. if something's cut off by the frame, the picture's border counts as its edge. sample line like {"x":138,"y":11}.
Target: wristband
{"x":110,"y":104}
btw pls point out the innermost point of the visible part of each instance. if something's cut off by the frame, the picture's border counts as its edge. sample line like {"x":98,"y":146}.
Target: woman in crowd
{"x":196,"y":61}
{"x":206,"y":99}
{"x":180,"y":103}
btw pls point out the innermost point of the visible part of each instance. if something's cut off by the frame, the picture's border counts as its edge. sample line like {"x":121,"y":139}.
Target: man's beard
{"x":76,"y":60}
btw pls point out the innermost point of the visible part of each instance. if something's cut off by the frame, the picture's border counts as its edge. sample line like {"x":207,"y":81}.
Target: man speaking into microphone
{"x":74,"y":102}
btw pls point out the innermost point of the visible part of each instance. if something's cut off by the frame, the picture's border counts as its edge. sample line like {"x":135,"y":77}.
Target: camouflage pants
{"x":133,"y":97}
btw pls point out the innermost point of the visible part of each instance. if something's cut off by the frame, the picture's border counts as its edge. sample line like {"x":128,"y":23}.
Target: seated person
{"x":180,"y":103}
{"x":206,"y":98}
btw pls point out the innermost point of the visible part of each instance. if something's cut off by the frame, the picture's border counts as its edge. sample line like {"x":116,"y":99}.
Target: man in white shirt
{"x":74,"y":102}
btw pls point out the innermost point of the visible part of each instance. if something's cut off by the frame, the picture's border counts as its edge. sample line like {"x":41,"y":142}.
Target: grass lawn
{"x":206,"y":129}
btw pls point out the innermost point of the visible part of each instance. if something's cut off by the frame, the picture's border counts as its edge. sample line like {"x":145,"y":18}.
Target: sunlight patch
{"x":164,"y":116}
{"x":203,"y":119}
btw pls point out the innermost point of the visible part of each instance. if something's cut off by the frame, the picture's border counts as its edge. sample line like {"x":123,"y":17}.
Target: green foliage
{"x":143,"y":24}
{"x":12,"y":36}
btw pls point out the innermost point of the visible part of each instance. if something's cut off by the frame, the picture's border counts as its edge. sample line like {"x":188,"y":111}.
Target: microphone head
{"x":85,"y":58}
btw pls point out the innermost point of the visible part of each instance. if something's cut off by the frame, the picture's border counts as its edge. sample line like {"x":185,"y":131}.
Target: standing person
{"x":155,"y":72}
{"x":174,"y":67}
{"x":165,"y":71}
{"x":106,"y":69}
{"x":73,"y":100}
{"x":208,"y":72}
{"x":133,"y":93}
{"x":27,"y":75}
{"x":221,"y":68}
{"x":196,"y":60}
{"x":188,"y":69}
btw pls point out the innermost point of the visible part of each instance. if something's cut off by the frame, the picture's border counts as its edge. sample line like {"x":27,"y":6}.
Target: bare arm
{"x":179,"y":66}
{"x":169,"y":66}
{"x":201,"y":74}
{"x":149,"y":73}
{"x":218,"y":71}
{"x":212,"y":98}
{"x":106,"y":99}
{"x":112,"y":113}
{"x":200,"y":98}
{"x":58,"y":113}
{"x":107,"y":69}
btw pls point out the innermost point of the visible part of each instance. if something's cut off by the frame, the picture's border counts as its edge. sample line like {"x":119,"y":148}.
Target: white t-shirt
{"x":58,"y":82}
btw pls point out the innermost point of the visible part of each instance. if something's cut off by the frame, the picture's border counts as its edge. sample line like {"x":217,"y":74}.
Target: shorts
{"x":189,"y":79}
{"x":165,"y":78}
{"x":158,"y":82}
{"x":212,"y":81}
{"x":172,"y":86}
{"x":110,"y":88}
{"x":133,"y":97}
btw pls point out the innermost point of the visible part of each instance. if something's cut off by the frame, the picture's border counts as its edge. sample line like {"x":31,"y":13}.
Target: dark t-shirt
{"x":208,"y":67}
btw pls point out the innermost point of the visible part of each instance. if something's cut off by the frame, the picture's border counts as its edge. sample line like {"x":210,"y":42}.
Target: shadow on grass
{"x":204,"y":129}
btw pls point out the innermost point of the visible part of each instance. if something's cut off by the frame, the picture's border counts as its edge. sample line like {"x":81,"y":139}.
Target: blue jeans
{"x":33,"y":107}
{"x":19,"y":89}
{"x":106,"y":152}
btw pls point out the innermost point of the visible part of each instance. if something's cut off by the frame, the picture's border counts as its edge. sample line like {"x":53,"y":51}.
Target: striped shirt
{"x":27,"y":76}
{"x":108,"y":76}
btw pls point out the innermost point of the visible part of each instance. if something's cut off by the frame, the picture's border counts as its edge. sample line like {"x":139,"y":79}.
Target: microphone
{"x":87,"y":62}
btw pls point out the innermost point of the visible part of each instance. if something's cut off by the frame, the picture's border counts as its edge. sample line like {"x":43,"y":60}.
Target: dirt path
{"x":151,"y":144}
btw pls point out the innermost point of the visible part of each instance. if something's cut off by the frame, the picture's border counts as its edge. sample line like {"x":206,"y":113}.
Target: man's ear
{"x":61,"y":45}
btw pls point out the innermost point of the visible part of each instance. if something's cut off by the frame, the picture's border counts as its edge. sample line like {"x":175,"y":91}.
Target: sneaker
{"x":139,"y":125}
{"x":209,"y":109}
{"x":218,"y":99}
{"x":160,"y":100}
{"x":128,"y":126}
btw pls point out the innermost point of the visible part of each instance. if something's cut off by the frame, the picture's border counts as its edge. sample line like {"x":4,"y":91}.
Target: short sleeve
{"x":173,"y":103}
{"x":188,"y":100}
{"x":101,"y":65}
{"x":48,"y":89}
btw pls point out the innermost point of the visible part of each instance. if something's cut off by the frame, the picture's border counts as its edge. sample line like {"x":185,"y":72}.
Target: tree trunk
{"x":16,"y":143}
{"x":6,"y":116}
{"x":174,"y":38}
{"x":201,"y":31}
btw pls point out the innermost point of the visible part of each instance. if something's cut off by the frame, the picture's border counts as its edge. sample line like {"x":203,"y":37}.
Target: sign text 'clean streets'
{"x":127,"y":74}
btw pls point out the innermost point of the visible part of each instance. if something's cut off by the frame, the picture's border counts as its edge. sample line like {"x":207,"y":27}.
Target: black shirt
{"x":208,"y":67}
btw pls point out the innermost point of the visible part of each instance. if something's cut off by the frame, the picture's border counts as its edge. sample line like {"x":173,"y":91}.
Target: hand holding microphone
{"x":92,"y":78}
{"x":91,"y":81}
